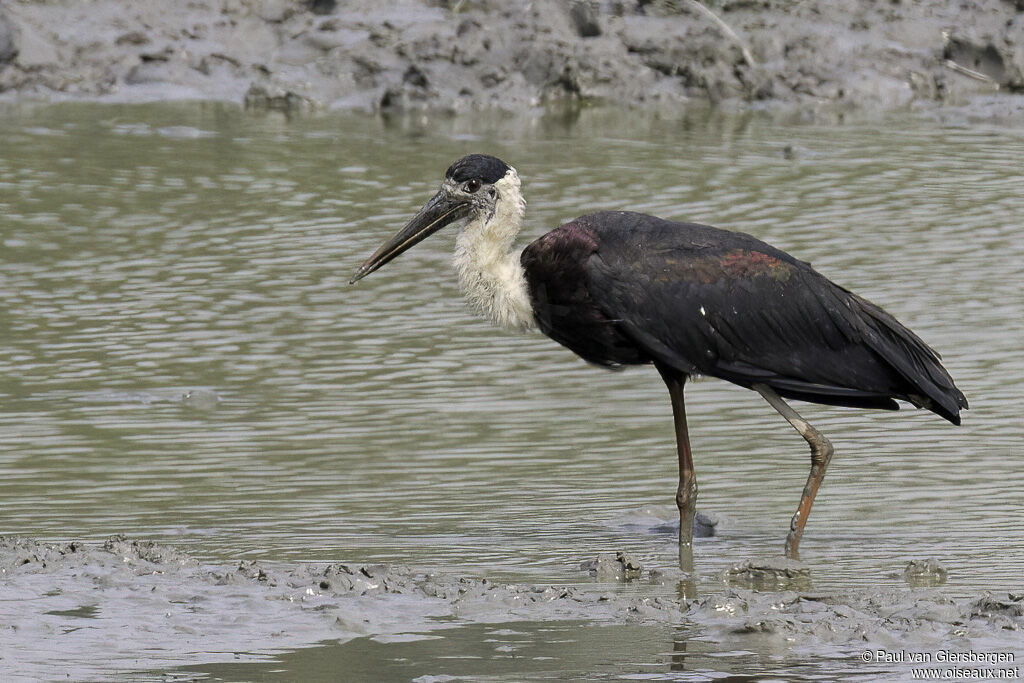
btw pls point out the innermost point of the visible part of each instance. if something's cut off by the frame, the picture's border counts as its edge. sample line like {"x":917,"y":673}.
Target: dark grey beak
{"x":440,"y":211}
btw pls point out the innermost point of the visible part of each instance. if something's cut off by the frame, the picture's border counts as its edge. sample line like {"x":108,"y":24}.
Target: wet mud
{"x":769,"y":573}
{"x":920,"y":573}
{"x":483,"y":54}
{"x":148,"y":607}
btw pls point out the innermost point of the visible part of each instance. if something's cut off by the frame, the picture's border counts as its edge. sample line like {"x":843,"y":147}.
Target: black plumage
{"x":623,"y":288}
{"x":480,"y":167}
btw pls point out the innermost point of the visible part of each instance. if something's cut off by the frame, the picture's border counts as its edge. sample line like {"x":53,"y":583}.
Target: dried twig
{"x":724,"y":27}
{"x":977,"y":75}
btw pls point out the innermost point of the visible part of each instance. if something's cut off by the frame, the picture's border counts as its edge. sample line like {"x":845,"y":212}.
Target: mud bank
{"x":150,"y":607}
{"x":419,"y":54}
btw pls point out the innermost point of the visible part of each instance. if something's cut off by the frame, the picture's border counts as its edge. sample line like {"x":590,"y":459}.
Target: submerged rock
{"x":704,"y":525}
{"x":665,"y":519}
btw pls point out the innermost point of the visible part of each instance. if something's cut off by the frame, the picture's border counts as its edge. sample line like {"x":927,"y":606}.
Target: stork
{"x":621,"y":288}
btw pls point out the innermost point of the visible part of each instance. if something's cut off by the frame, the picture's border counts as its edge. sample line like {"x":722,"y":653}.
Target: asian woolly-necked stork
{"x":621,"y":288}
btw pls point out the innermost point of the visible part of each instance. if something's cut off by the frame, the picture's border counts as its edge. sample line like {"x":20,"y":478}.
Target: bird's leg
{"x":821,"y":454}
{"x":686,"y":494}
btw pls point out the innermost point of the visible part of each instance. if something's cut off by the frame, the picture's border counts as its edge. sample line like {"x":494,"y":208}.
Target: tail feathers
{"x":929,"y":385}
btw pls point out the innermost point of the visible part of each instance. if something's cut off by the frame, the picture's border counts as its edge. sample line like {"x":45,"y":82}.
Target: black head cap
{"x":480,"y":166}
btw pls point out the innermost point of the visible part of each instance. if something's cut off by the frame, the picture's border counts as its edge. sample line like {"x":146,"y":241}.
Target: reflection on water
{"x":546,"y":650}
{"x":181,"y":358}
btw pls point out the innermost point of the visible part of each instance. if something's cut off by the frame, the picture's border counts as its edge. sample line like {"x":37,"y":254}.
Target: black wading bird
{"x":620,"y":288}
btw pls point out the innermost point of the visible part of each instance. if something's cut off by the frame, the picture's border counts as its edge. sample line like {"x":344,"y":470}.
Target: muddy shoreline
{"x":148,"y":606}
{"x":464,"y":56}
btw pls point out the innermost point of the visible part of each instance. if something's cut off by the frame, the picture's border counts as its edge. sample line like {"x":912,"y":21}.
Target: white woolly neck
{"x":490,"y":274}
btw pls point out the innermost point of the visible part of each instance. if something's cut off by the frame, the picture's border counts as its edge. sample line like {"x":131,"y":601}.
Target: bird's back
{"x":624,"y":288}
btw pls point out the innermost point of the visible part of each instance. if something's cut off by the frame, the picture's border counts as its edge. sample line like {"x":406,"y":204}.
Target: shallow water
{"x":181,"y":357}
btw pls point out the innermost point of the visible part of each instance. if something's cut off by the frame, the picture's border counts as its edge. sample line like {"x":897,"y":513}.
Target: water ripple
{"x":180,"y":355}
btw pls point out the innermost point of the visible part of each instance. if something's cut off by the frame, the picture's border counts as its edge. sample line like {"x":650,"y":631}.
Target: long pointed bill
{"x":440,"y":211}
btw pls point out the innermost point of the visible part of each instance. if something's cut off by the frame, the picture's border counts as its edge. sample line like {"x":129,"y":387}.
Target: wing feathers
{"x":728,"y":305}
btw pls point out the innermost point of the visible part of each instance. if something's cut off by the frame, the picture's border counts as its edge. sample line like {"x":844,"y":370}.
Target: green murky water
{"x":181,"y":358}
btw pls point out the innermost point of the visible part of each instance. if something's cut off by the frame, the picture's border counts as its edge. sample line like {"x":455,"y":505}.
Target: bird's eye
{"x":471,"y":186}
